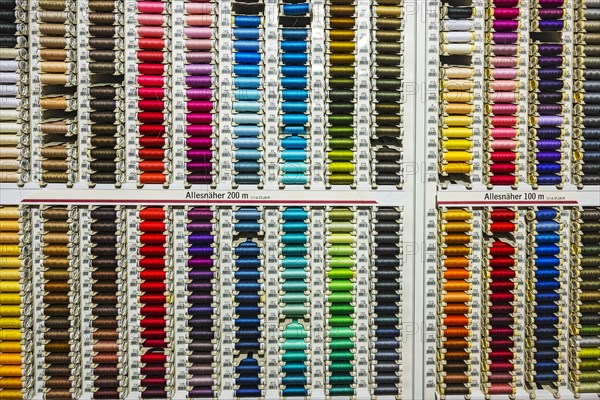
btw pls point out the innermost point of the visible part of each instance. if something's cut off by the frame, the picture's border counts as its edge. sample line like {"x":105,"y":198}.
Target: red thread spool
{"x":155,"y":343}
{"x":153,"y":275}
{"x":154,"y":238}
{"x":154,"y":358}
{"x":502,"y":214}
{"x":151,"y":93}
{"x":154,"y":310}
{"x":150,"y":333}
{"x":151,"y":105}
{"x":156,"y":142}
{"x":156,"y":213}
{"x":152,"y":298}
{"x":151,"y":56}
{"x":154,"y":287}
{"x":155,"y":166}
{"x":502,"y":226}
{"x":153,"y":322}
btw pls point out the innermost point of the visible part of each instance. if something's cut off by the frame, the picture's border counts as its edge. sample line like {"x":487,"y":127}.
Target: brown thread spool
{"x":56,"y":238}
{"x":56,"y":263}
{"x":341,"y":35}
{"x":54,"y":67}
{"x":9,"y":177}
{"x":103,"y":165}
{"x":108,"y":288}
{"x":50,"y":165}
{"x":100,"y":141}
{"x":103,"y":370}
{"x":103,"y":104}
{"x":105,"y":298}
{"x":53,"y":16}
{"x":53,"y":5}
{"x":57,"y":226}
{"x":103,"y":31}
{"x":57,"y":286}
{"x":388,"y":11}
{"x":102,"y":275}
{"x":60,"y":152}
{"x":57,"y":311}
{"x":103,"y":153}
{"x":53,"y":42}
{"x":53,"y":29}
{"x":342,"y":10}
{"x":58,"y":358}
{"x":59,"y":213}
{"x":103,"y":43}
{"x":102,"y":6}
{"x":55,"y":103}
{"x":103,"y":55}
{"x":105,"y":346}
{"x":56,"y":298}
{"x":105,"y":311}
{"x":106,"y":335}
{"x":57,"y":335}
{"x":54,"y":79}
{"x":53,"y":54}
{"x":342,"y":23}
{"x":105,"y":323}
{"x":55,"y":128}
{"x":388,"y":23}
{"x":56,"y":250}
{"x":104,"y":92}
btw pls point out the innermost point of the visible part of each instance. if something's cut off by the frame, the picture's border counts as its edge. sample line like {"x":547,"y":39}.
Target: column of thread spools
{"x":547,"y":117}
{"x":106,"y":93}
{"x":202,"y":287}
{"x":387,"y":18}
{"x":155,"y":292}
{"x":386,"y":302}
{"x":340,"y":293}
{"x":294,"y":291}
{"x":501,"y":135}
{"x":16,"y":329}
{"x":57,"y":52}
{"x":294,"y":23}
{"x":455,"y":302}
{"x":584,"y":281}
{"x":109,"y":310}
{"x":153,"y":92}
{"x":586,"y":96}
{"x":457,"y":83}
{"x":248,"y":85}
{"x":499,"y":302}
{"x":201,"y":84}
{"x":544,"y":344}
{"x":249,"y":302}
{"x":60,"y":313}
{"x":340,"y":68}
{"x":14,"y":92}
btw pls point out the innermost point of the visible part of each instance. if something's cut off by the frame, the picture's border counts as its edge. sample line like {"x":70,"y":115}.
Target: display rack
{"x":420,"y":198}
